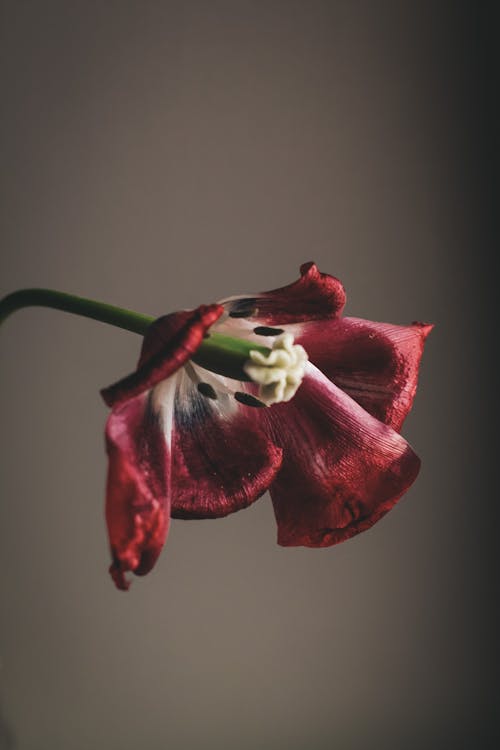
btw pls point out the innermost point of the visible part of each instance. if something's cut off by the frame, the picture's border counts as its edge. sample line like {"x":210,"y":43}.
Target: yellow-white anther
{"x":278,"y":373}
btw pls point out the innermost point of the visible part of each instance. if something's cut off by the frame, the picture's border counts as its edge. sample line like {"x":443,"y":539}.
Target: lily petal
{"x":342,"y":469}
{"x":314,"y":296}
{"x":169,"y":342}
{"x":138,"y":494}
{"x":222,"y":460}
{"x":377,"y":364}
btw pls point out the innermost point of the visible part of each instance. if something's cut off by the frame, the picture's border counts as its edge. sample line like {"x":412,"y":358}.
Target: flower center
{"x":278,"y":373}
{"x":277,"y":370}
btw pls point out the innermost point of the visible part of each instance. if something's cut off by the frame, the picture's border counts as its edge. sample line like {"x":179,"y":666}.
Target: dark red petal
{"x":342,"y":469}
{"x":137,"y":500}
{"x":375,"y":363}
{"x":314,"y":296}
{"x":169,"y":342}
{"x":222,"y":461}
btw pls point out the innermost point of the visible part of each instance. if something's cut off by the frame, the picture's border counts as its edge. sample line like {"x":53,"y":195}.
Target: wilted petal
{"x":312,"y":297}
{"x":342,"y":469}
{"x":222,"y":460}
{"x":375,"y":363}
{"x":138,"y":493}
{"x":169,"y":342}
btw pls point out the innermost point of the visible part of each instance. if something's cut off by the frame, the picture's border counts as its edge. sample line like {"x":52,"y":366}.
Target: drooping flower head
{"x":306,"y":403}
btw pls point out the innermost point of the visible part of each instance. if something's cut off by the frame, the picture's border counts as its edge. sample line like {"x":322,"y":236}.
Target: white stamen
{"x":280,"y":372}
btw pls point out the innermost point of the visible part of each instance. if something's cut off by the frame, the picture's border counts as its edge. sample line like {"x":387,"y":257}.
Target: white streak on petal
{"x":162,"y":403}
{"x":225,"y":389}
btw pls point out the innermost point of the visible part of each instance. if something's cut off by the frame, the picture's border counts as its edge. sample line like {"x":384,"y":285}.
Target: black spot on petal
{"x":247,"y":399}
{"x":206,"y":390}
{"x":242,"y":308}
{"x":267,"y":331}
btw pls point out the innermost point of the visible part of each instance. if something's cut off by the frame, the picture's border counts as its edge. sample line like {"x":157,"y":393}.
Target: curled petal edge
{"x":342,"y":468}
{"x":168,"y":344}
{"x":138,"y":489}
{"x":314,"y":296}
{"x":377,"y":364}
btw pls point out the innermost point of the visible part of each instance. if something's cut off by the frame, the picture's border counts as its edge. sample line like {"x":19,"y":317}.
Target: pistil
{"x":279,"y":372}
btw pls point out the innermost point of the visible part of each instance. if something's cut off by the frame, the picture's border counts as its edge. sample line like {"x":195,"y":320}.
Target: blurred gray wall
{"x":157,"y":155}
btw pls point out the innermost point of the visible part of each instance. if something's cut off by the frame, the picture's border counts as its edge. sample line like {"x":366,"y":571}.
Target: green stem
{"x":89,"y":308}
{"x":224,"y":355}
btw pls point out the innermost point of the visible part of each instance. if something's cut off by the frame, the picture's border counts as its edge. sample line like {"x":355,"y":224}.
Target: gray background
{"x":158,"y":155}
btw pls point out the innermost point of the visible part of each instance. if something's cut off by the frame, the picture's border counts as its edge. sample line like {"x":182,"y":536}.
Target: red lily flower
{"x":188,"y":443}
